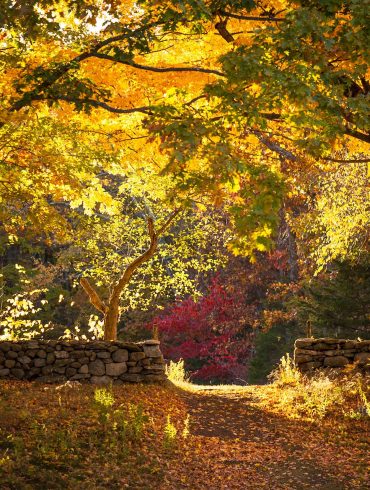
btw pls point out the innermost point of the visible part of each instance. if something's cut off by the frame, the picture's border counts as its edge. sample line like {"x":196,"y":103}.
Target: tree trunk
{"x":110,"y":322}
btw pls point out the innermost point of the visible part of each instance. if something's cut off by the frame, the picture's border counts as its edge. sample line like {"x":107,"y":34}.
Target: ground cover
{"x":173,"y":437}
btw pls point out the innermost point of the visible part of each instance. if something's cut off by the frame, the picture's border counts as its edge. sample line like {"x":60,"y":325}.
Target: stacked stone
{"x":318,"y":353}
{"x":95,"y":362}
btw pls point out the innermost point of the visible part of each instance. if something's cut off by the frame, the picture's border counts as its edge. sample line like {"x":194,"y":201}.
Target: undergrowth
{"x":317,"y":395}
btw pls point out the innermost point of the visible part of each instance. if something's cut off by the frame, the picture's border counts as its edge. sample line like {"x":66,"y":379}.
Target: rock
{"x":307,"y":366}
{"x":154,"y":378}
{"x":76,"y":365}
{"x":11,"y":355}
{"x":136,"y":356}
{"x":78,"y":353}
{"x":61,"y":362}
{"x":337,"y":361}
{"x":135,"y":369}
{"x":59,"y":370}
{"x":131,"y":378}
{"x":61,"y":354}
{"x":47,"y":370}
{"x":18,"y":373}
{"x":152,"y":350}
{"x":299,"y":343}
{"x":299,"y":359}
{"x":308,"y":352}
{"x":5,"y":346}
{"x":24,"y":360}
{"x":39,"y":362}
{"x":33,"y":372}
{"x":9,"y":363}
{"x":31,"y":353}
{"x":16,"y":347}
{"x":100,"y":380}
{"x":97,"y":368}
{"x":362,"y":358}
{"x":116,"y":368}
{"x":32,"y":344}
{"x":50,"y":358}
{"x":84,"y":369}
{"x":120,"y":355}
{"x":80,"y":376}
{"x":70,"y":371}
{"x":41,"y":353}
{"x":103,"y":355}
{"x":4,"y":372}
{"x":155,"y":367}
{"x":151,"y":342}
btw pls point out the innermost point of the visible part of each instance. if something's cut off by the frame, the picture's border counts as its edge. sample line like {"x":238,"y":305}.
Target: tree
{"x":279,"y":86}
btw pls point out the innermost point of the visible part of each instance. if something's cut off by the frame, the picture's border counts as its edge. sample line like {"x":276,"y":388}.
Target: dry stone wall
{"x":333,"y":353}
{"x":96,"y":362}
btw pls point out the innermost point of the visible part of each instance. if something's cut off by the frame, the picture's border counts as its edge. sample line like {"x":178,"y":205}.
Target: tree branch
{"x":97,"y":103}
{"x":94,"y":297}
{"x":158,"y":70}
{"x":248,"y":17}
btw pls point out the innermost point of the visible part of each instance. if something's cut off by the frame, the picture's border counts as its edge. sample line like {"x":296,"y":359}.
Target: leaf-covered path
{"x":239,"y":445}
{"x":57,"y":438}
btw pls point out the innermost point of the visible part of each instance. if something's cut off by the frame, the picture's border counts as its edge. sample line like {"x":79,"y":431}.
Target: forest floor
{"x":170,"y":438}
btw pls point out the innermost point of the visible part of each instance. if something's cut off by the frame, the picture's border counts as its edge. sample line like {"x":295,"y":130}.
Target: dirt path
{"x":249,"y":448}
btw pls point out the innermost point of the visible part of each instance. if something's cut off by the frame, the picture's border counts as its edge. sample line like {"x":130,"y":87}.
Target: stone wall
{"x":318,"y":353}
{"x":96,"y":362}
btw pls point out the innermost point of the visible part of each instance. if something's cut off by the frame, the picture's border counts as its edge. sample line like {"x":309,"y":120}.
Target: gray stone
{"x":303,"y":343}
{"x":9,"y":363}
{"x":11,"y":355}
{"x":103,"y":355}
{"x":76,"y":365}
{"x":116,"y":368}
{"x":46,"y":370}
{"x":78,"y":353}
{"x":152,"y":350}
{"x":39,"y":362}
{"x":361,"y":358}
{"x":31,"y":353}
{"x":155,"y":367}
{"x":307,"y":366}
{"x":135,"y":369}
{"x":151,"y":342}
{"x":131,"y":378}
{"x":5,"y":346}
{"x":299,"y":359}
{"x":33,"y":344}
{"x":61,"y":362}
{"x":77,"y":377}
{"x":84,"y":369}
{"x":62,"y":354}
{"x":50,"y":358}
{"x":24,"y":360}
{"x":308,"y":352}
{"x":41,"y":353}
{"x":136,"y":356}
{"x":18,"y":373}
{"x":4,"y":372}
{"x":154,"y":378}
{"x":100,"y":380}
{"x":97,"y":368}
{"x":16,"y":347}
{"x":120,"y":355}
{"x":35,"y":371}
{"x":337,"y":361}
{"x":59,"y":370}
{"x":70,"y":371}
